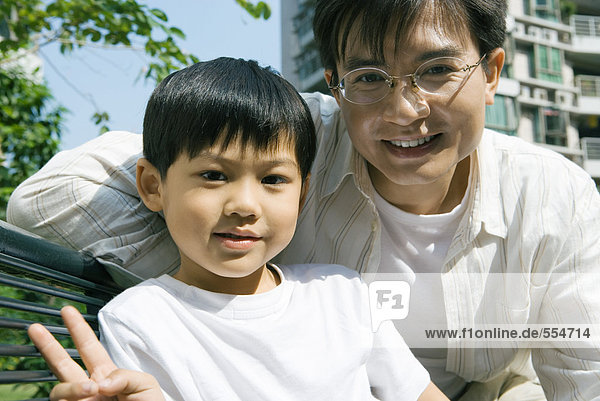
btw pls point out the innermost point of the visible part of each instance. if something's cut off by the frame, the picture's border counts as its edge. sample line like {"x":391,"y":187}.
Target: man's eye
{"x":373,"y":77}
{"x":440,"y":69}
{"x":273,"y":180}
{"x":213,"y":176}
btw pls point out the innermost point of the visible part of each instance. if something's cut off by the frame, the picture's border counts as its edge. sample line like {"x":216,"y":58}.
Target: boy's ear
{"x":148,"y":182}
{"x":328,"y":76}
{"x":495,"y":62}
{"x":304,"y":192}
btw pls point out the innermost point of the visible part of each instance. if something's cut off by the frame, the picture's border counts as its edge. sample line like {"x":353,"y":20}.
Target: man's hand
{"x":105,"y":382}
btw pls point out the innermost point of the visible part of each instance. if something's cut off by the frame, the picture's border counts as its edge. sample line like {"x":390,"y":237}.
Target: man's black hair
{"x":333,"y":20}
{"x":222,"y":101}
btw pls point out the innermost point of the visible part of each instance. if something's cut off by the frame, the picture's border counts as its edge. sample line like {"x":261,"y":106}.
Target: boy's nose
{"x":244,"y":201}
{"x":404,"y":106}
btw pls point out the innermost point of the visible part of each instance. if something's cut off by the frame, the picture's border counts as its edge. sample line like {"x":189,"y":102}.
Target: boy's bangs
{"x":252,"y":141}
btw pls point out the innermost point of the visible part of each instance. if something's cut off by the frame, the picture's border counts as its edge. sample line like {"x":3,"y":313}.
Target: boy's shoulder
{"x":310,"y":270}
{"x":140,"y":294}
{"x":322,"y":275}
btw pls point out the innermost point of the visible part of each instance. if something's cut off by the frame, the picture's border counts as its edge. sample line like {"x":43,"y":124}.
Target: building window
{"x":304,"y":17}
{"x":548,"y":61}
{"x":502,"y":116}
{"x":554,"y":121}
{"x":546,"y":9}
{"x":549,"y":125}
{"x":308,"y":62}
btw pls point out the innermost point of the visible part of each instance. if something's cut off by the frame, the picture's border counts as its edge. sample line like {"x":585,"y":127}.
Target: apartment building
{"x":549,"y":92}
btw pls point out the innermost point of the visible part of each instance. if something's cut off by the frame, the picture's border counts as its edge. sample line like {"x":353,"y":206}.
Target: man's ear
{"x":149,"y":184}
{"x":328,"y":76}
{"x":304,"y":191}
{"x":495,"y":62}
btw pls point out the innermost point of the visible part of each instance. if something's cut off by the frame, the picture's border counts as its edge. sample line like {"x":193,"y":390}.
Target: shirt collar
{"x":487,"y":197}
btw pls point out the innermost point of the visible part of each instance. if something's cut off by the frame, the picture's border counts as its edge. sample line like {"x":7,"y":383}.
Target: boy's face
{"x":229,"y":212}
{"x":449,"y":128}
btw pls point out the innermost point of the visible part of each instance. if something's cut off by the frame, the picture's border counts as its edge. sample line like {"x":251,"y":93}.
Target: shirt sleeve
{"x":394,"y":372}
{"x":570,"y":370}
{"x":86,"y":199}
{"x":127,"y":350}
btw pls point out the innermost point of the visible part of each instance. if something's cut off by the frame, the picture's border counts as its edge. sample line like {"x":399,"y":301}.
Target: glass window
{"x":502,"y":116}
{"x":548,"y":61}
{"x":545,"y":9}
{"x":554,"y":122}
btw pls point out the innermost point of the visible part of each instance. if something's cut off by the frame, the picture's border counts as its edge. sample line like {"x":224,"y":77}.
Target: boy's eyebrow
{"x":271,"y":162}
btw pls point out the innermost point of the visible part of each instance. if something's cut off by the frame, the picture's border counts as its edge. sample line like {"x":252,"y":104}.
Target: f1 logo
{"x":388,"y":300}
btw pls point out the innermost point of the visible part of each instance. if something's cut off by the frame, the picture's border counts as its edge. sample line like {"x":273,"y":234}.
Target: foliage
{"x":29,"y":132}
{"x":76,"y":23}
{"x":567,"y":8}
{"x":260,"y":9}
{"x":12,"y":336}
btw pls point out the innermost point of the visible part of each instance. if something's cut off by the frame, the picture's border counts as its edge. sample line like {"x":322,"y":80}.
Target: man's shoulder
{"x":531,"y":163}
{"x":521,"y":150}
{"x":529,"y":177}
{"x":324,"y":104}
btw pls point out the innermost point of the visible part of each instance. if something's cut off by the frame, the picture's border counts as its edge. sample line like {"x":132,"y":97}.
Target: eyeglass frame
{"x":391,"y":78}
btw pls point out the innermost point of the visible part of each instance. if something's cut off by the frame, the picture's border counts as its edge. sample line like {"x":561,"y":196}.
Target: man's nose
{"x":405,"y":104}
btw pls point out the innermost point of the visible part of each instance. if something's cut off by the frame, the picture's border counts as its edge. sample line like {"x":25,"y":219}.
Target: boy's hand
{"x":106,"y":382}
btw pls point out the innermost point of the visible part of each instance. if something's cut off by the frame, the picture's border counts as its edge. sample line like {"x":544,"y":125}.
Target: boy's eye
{"x":273,"y":180}
{"x":213,"y":176}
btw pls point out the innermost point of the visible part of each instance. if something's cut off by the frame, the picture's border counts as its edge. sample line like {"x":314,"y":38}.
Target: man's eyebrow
{"x":352,"y":63}
{"x":449,"y":51}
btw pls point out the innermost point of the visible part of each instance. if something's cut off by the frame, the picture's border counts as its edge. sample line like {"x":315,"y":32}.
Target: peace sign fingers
{"x":93,"y":354}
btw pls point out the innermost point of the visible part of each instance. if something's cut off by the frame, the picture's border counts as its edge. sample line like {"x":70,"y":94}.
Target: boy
{"x":228,"y":148}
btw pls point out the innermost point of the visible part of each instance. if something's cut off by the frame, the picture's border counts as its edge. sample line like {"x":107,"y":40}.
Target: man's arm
{"x":571,"y":370}
{"x":86,"y":199}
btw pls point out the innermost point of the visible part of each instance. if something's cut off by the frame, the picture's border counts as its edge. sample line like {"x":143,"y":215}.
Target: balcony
{"x":591,"y":156}
{"x":589,"y":100}
{"x":585,"y":33}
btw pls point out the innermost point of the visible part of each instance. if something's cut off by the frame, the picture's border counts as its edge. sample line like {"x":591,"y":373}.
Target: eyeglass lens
{"x":440,"y":76}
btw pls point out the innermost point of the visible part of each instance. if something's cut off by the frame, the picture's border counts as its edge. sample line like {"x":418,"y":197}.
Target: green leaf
{"x":177,"y":32}
{"x":159,"y":14}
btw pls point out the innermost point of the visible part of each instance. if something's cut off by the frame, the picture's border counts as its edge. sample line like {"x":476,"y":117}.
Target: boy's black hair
{"x":333,"y":20}
{"x":221,"y":101}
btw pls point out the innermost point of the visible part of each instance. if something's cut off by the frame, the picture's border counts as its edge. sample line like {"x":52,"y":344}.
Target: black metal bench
{"x":37,"y":278}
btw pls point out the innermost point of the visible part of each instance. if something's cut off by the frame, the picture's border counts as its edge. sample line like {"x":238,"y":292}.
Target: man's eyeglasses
{"x":438,"y":76}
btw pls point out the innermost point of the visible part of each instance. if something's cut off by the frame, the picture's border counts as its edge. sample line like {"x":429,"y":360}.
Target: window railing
{"x":591,"y":148}
{"x":588,"y":84}
{"x":586,"y":25}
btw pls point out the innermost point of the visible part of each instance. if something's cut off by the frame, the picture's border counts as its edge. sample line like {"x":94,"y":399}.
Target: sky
{"x":109,"y":80}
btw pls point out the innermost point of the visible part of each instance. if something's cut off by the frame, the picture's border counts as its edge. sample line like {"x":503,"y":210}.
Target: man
{"x":406,"y":180}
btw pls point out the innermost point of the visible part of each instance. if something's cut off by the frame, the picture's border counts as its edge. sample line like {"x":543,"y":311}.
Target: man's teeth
{"x":413,"y":143}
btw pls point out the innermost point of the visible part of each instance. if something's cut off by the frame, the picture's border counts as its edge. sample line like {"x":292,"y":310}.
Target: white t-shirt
{"x":416,"y":246}
{"x":307,"y":339}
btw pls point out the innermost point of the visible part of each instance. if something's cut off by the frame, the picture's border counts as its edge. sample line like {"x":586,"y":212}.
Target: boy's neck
{"x":262,"y":280}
